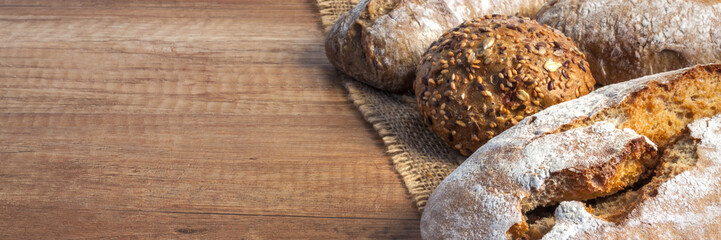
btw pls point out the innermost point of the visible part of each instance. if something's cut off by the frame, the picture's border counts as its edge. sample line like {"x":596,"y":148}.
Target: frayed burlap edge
{"x":417,"y":154}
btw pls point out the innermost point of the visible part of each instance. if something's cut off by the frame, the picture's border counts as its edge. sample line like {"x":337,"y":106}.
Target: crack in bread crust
{"x":657,"y":106}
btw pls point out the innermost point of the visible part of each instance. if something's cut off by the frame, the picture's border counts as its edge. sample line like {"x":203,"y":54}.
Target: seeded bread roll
{"x":487,"y":74}
{"x":380,"y":42}
{"x":590,"y":148}
{"x":629,"y":39}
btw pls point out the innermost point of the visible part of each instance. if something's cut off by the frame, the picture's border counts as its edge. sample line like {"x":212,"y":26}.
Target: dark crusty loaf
{"x":485,"y":75}
{"x":590,"y":148}
{"x":380,"y":42}
{"x":629,"y":39}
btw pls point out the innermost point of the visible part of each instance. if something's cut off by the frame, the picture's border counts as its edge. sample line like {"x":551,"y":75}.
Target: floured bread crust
{"x":488,"y":195}
{"x":686,"y":206}
{"x":628,"y":39}
{"x":380,"y":42}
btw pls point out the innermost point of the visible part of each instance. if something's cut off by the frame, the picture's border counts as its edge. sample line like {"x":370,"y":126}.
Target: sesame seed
{"x":509,"y":84}
{"x":486,"y":93}
{"x":536,"y":102}
{"x":493,"y":125}
{"x":460,"y":123}
{"x":505,"y":111}
{"x":446,"y":41}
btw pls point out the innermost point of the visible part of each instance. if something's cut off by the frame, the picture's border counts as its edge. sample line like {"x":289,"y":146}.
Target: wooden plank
{"x":173,"y":119}
{"x":84,"y":223}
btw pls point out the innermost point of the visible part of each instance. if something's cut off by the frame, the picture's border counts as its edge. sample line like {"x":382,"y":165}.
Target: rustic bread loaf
{"x":590,"y":148}
{"x":485,"y":75}
{"x":628,"y":39}
{"x":380,"y":42}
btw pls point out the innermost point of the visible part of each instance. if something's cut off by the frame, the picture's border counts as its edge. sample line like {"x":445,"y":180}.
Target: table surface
{"x":184,"y":119}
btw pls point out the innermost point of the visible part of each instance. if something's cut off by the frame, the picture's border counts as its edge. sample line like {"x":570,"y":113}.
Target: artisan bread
{"x":380,"y":42}
{"x":631,"y":136}
{"x":628,"y":39}
{"x":485,"y":75}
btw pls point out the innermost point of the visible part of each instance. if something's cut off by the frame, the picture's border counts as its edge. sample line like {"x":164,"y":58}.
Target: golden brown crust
{"x":487,"y":74}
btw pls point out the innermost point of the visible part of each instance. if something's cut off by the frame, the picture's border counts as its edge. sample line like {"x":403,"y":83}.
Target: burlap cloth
{"x":419,"y":156}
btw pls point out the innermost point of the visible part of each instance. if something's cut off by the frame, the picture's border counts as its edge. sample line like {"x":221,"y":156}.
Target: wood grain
{"x":184,"y":119}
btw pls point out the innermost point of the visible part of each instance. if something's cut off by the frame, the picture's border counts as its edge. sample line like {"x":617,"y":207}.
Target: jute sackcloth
{"x":421,"y":158}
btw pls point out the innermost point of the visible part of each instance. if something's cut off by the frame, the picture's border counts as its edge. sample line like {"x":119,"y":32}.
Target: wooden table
{"x":184,"y":119}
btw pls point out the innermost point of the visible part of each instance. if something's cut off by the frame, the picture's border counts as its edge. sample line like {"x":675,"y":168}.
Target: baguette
{"x":628,"y":39}
{"x":595,"y":149}
{"x":380,"y":42}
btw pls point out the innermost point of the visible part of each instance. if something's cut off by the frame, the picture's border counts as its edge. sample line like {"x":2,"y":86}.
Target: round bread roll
{"x":487,"y":74}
